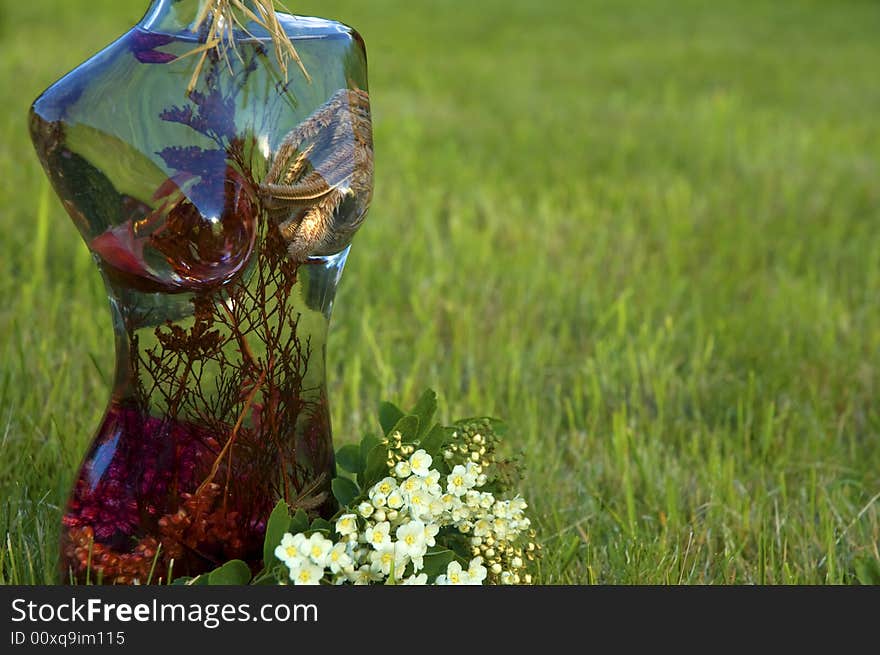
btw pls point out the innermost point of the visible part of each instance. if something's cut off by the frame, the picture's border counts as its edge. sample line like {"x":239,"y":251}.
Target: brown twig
{"x":234,"y":434}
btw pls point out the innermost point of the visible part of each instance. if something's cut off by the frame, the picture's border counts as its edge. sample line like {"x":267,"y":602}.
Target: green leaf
{"x":425,"y":409}
{"x":434,"y":440}
{"x":344,"y":491}
{"x":321,"y":525}
{"x":377,"y":466}
{"x":299,"y":522}
{"x":348,"y":458}
{"x":436,"y":561}
{"x":278,"y":524}
{"x":185,"y":580}
{"x":368,"y":443}
{"x":271,"y":576}
{"x":408,"y":426}
{"x":234,"y":572}
{"x":389,"y":415}
{"x":458,"y":543}
{"x":498,"y":426}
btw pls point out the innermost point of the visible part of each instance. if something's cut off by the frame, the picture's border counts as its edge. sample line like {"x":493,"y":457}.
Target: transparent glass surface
{"x":220,"y":220}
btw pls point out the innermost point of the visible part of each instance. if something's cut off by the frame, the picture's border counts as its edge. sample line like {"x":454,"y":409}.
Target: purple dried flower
{"x":143,"y":46}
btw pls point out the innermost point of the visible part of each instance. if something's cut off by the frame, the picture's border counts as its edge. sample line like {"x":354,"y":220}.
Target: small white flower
{"x":364,"y":575}
{"x":338,"y":559}
{"x":289,"y":548}
{"x":460,"y":513}
{"x":384,"y":487}
{"x":387,"y":558}
{"x":413,"y":483}
{"x":431,"y":530}
{"x":319,"y":547}
{"x":402,"y":469}
{"x":455,"y":575}
{"x":346,"y":524}
{"x":379,"y":516}
{"x":482,"y":528}
{"x":411,"y":539}
{"x":395,"y":499}
{"x":458,"y":482}
{"x":450,"y":501}
{"x":472,"y":499}
{"x":307,"y":574}
{"x":366,"y":509}
{"x":377,"y":535}
{"x":476,"y":571}
{"x":500,"y":526}
{"x":432,"y":482}
{"x":435,"y":507}
{"x":420,"y":463}
{"x":419,"y":503}
{"x":379,"y":500}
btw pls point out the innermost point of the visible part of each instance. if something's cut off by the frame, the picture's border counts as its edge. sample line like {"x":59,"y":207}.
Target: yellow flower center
{"x":291,"y":551}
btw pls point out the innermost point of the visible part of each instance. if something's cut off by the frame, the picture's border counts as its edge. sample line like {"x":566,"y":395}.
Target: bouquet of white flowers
{"x":424,"y":504}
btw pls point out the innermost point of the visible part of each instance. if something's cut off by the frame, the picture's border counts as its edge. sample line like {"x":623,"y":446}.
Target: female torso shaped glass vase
{"x":218,"y":198}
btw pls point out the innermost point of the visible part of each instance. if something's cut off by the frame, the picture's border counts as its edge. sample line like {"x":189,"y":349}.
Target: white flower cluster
{"x":388,"y":536}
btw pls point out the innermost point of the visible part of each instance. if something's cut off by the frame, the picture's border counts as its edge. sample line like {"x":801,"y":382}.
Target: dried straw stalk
{"x":224,"y":16}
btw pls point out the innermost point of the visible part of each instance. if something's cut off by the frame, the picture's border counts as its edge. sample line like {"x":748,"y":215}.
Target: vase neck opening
{"x":174,"y":15}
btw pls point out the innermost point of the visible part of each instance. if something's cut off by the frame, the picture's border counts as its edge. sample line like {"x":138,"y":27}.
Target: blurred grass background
{"x":644,"y":233}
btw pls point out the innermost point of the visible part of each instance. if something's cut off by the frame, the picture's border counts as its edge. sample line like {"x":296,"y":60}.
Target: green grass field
{"x":644,"y":233}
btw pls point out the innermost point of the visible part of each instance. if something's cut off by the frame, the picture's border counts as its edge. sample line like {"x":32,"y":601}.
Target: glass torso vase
{"x":218,"y":191}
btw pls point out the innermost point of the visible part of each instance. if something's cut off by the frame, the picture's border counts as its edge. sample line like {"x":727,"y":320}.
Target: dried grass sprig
{"x":223,"y":17}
